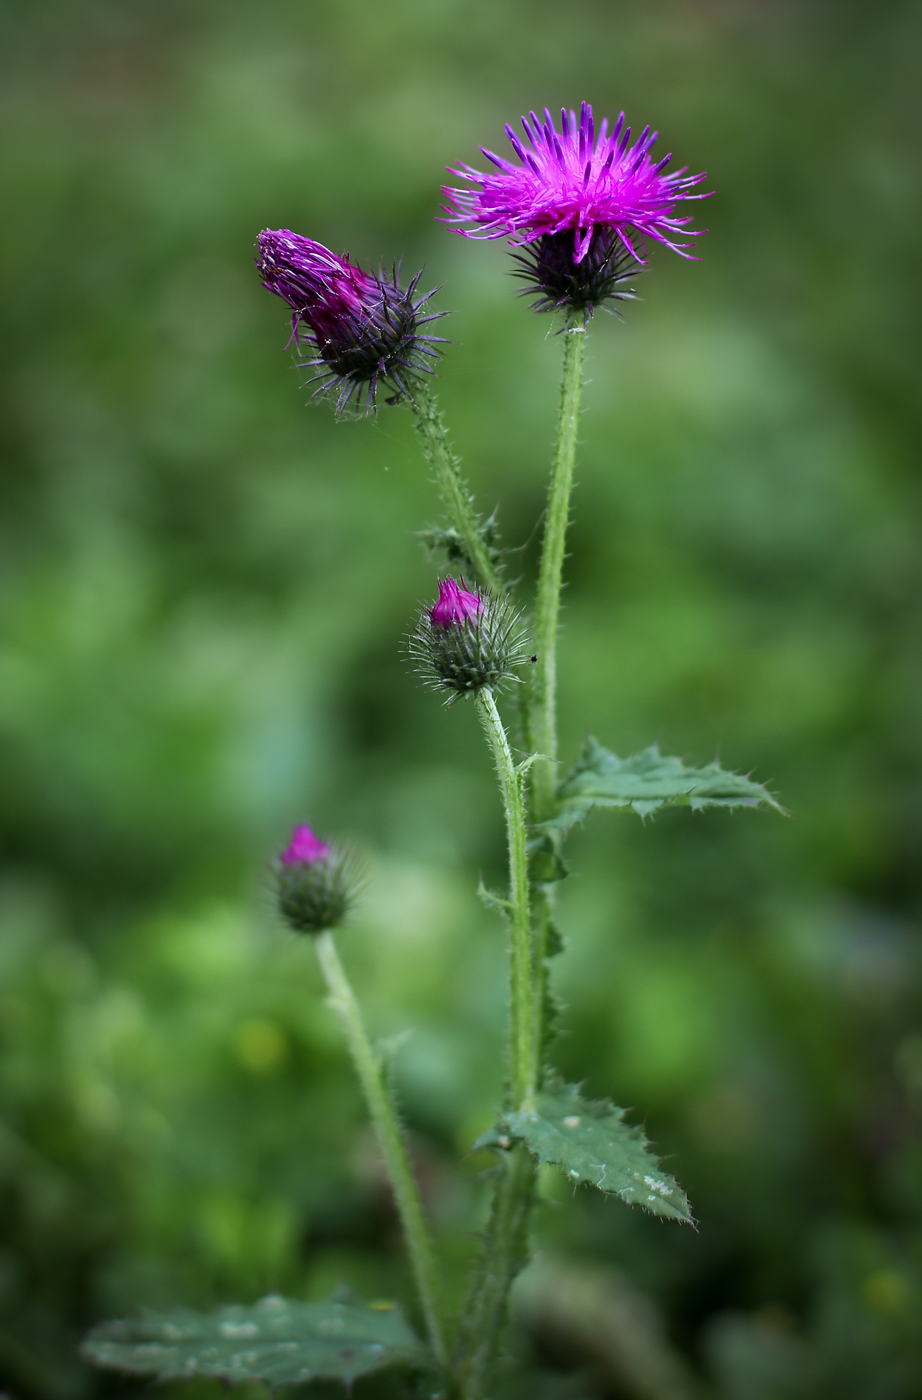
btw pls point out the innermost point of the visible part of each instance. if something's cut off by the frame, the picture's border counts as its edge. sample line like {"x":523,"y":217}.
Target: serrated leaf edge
{"x":648,"y":807}
{"x":502,"y":1135}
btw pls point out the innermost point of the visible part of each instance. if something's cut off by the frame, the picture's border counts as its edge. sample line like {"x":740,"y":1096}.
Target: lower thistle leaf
{"x":276,"y":1340}
{"x":647,"y":781}
{"x":590,"y":1142}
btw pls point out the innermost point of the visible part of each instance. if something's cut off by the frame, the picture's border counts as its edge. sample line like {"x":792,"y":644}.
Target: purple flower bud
{"x":304,"y":847}
{"x":314,"y":883}
{"x":366,"y":329}
{"x":466,"y":640}
{"x":455,"y":604}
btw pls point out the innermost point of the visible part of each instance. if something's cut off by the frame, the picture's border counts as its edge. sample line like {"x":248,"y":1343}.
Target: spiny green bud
{"x":314,"y":883}
{"x":467,"y":640}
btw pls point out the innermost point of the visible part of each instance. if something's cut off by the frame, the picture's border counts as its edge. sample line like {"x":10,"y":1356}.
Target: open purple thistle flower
{"x":587,"y":204}
{"x":366,"y":329}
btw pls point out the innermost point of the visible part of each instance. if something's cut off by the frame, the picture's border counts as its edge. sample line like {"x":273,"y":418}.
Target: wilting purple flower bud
{"x":455,"y":604}
{"x":304,"y":846}
{"x":366,"y":329}
{"x":588,"y":204}
{"x":314,"y":883}
{"x":466,"y":640}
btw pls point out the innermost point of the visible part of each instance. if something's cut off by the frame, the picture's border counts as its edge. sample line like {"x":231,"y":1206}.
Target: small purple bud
{"x":455,"y":604}
{"x":304,"y":848}
{"x":466,"y":641}
{"x":314,"y":883}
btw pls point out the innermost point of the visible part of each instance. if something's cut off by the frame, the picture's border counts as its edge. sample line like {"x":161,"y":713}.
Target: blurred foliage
{"x":204,"y":590}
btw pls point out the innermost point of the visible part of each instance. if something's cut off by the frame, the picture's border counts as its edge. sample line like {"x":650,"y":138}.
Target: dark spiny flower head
{"x":557,"y":283}
{"x":366,"y":329}
{"x":314,"y":883}
{"x":466,"y":640}
{"x":594,"y":199}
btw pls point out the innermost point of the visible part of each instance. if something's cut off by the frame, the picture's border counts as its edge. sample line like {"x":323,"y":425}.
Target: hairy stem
{"x":504,"y":1254}
{"x":419,"y":1245}
{"x":505,"y":1241}
{"x":524,"y":1031}
{"x":544,"y":719}
{"x":455,"y":494}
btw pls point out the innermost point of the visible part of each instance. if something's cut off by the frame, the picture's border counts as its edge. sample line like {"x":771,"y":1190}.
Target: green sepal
{"x":590,"y":1142}
{"x":277,"y":1340}
{"x":648,"y":781}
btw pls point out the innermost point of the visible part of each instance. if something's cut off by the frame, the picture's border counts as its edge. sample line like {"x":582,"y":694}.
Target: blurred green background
{"x":204,"y":588}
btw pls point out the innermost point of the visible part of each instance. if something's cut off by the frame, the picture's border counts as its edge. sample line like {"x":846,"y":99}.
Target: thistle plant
{"x":580,"y":213}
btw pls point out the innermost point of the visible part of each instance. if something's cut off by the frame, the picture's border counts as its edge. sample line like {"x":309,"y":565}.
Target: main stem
{"x":505,"y":1242}
{"x":525,"y":1030}
{"x":422,"y":1256}
{"x":550,"y":576}
{"x":504,"y":1246}
{"x":505,"y":1251}
{"x":455,"y":494}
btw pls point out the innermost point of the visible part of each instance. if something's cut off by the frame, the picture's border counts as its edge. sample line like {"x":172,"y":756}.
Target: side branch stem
{"x":524,"y":1027}
{"x":544,"y":720}
{"x":419,"y":1245}
{"x":451,"y":484}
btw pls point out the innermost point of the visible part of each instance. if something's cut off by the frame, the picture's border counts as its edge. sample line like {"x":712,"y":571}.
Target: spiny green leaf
{"x":274,"y":1340}
{"x":591,"y":1142}
{"x":648,"y":781}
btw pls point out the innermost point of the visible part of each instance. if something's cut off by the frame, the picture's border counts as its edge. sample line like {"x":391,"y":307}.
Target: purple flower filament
{"x":455,"y":605}
{"x":569,"y":181}
{"x":304,"y":848}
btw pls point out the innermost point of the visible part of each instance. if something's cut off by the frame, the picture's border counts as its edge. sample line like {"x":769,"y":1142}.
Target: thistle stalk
{"x":550,"y":577}
{"x":422,"y":1257}
{"x":446,"y":469}
{"x":505,"y":1242}
{"x":524,"y":1028}
{"x":505,"y":1251}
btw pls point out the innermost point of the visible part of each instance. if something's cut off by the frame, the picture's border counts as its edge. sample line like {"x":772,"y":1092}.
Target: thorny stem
{"x":505,"y":1243}
{"x":455,"y":494}
{"x":544,"y":722}
{"x":543,"y":773}
{"x":524,"y":1029}
{"x":419,"y":1245}
{"x":505,"y":1249}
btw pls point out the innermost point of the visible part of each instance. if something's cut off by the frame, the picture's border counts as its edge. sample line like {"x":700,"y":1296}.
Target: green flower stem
{"x":422,"y":1256}
{"x":504,"y":1254}
{"x":505,"y":1241}
{"x":505,"y":1244}
{"x":455,"y":494}
{"x":544,"y":719}
{"x":525,"y":1032}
